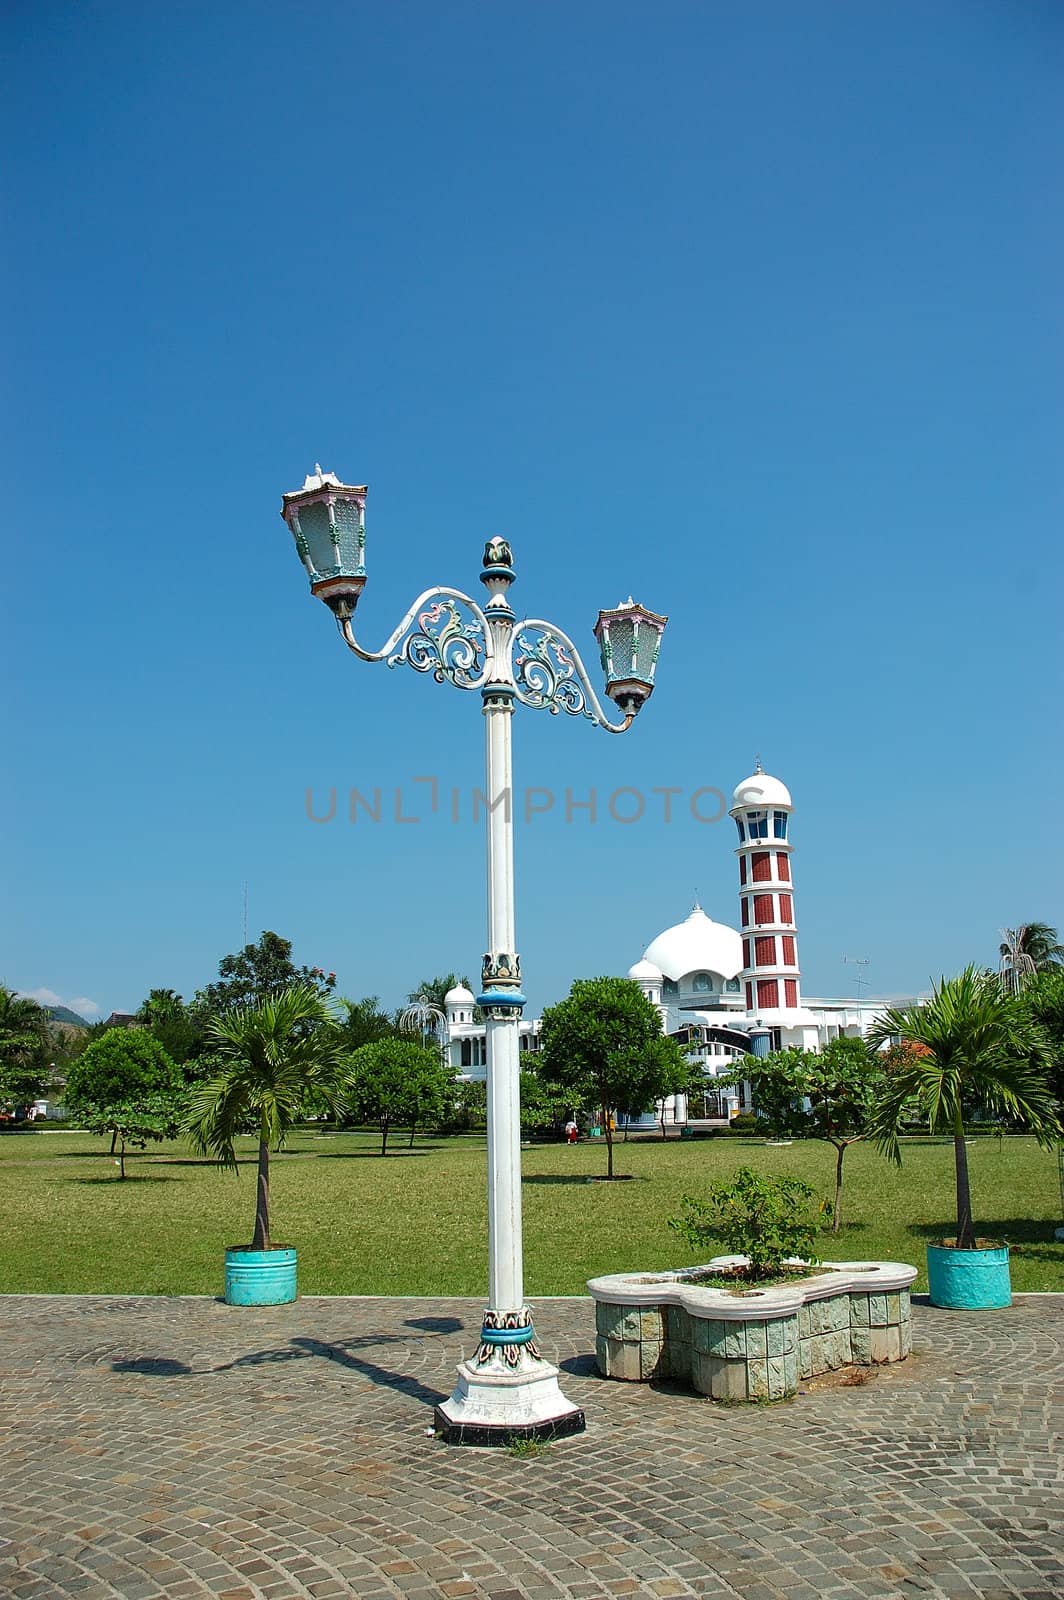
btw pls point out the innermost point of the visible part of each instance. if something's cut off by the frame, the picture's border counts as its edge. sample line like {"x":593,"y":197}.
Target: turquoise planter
{"x":969,"y":1280}
{"x":260,"y":1277}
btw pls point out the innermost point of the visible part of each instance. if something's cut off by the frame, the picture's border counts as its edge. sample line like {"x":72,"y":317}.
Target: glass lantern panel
{"x":622,"y":639}
{"x":647,"y":653}
{"x":324,"y":554}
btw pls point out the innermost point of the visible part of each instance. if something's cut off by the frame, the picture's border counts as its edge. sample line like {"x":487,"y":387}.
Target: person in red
{"x":572,"y":1132}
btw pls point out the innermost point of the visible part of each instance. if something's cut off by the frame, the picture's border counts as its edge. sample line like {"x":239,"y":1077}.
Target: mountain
{"x":64,"y":1014}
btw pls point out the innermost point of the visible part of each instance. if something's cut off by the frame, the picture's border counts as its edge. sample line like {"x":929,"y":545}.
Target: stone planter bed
{"x":756,"y":1344}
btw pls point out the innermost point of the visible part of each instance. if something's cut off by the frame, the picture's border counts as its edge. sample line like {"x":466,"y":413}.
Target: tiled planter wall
{"x":739,"y":1356}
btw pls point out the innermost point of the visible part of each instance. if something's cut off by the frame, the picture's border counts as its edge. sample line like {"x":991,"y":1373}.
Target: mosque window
{"x":742,"y":830}
{"x":762,"y":862}
{"x":744,"y":911}
{"x":763,"y":908}
{"x":783,"y":867}
{"x":790,"y":990}
{"x":742,"y":869}
{"x":748,"y":952}
{"x":467,"y":1052}
{"x":765,"y":951}
{"x":779,"y":824}
{"x":669,"y":987}
{"x":768,"y":992}
{"x":733,"y":986}
{"x":790,"y":959}
{"x":702,"y":983}
{"x":786,"y":909}
{"x":749,"y":997}
{"x":757,"y":824}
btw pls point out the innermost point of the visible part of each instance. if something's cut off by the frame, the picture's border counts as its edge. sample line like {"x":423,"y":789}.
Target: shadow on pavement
{"x":581,"y":1367}
{"x":299,"y":1349}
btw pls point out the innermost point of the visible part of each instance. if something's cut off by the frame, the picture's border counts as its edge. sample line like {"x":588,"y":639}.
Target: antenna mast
{"x":860,"y":980}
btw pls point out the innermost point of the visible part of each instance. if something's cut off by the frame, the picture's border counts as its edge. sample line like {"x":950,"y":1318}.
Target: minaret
{"x":761,"y":806}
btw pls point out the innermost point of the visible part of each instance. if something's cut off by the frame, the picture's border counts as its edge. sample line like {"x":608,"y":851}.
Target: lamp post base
{"x":494,"y":1406}
{"x":507,"y":1391}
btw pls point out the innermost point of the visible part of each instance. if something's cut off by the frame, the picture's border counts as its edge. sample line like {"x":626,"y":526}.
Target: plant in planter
{"x":977,"y":1047}
{"x":277,"y":1053}
{"x":764,"y":1219}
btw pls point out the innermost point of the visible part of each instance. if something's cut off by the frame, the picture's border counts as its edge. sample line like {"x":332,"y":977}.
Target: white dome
{"x":760,"y":790}
{"x":459,"y":996}
{"x":645,"y":972}
{"x":697,"y":945}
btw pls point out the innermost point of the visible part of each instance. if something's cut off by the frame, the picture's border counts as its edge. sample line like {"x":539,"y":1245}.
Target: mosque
{"x":722,"y":992}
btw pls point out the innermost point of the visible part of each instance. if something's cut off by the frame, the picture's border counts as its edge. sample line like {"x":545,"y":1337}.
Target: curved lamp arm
{"x":434,"y":637}
{"x":550,"y":676}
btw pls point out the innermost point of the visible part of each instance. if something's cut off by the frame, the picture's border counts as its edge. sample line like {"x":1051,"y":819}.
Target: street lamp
{"x":505,"y":1390}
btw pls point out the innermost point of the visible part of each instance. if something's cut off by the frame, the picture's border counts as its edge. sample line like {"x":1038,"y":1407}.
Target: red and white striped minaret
{"x":761,"y":806}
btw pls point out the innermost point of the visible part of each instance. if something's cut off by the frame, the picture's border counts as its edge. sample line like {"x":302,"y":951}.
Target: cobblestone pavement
{"x":183,"y":1448}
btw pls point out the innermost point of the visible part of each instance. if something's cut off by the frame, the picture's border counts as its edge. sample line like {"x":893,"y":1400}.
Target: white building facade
{"x":722,"y":992}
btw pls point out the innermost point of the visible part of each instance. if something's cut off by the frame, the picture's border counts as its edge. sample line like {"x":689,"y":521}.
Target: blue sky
{"x":751,"y":310}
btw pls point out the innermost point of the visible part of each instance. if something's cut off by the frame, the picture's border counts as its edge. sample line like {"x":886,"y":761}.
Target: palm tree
{"x":1030,"y":948}
{"x":433,"y":991}
{"x":976,"y":1045}
{"x":25,"y":1044}
{"x":23,"y":1027}
{"x":279,"y":1050}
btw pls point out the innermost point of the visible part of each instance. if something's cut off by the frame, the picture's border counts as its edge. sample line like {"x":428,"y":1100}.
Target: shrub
{"x":745,"y":1122}
{"x":765,"y":1219}
{"x":465,"y":1110}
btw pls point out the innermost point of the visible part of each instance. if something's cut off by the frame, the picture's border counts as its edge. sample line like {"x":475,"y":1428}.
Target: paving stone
{"x":182,"y":1448}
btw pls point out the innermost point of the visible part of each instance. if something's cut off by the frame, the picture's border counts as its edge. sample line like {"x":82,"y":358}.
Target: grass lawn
{"x":414,"y":1222}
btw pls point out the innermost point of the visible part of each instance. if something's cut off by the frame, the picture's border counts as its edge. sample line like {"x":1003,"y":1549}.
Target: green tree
{"x":278,"y":1052}
{"x":395,"y":1082}
{"x":25,"y":1050}
{"x":465,"y":1109}
{"x":976,"y":1045}
{"x":776,"y":1084}
{"x":544,"y":1106}
{"x":180,"y":1029}
{"x":604,"y":1048}
{"x":1042,"y":1004}
{"x":257,"y":972}
{"x":832,"y":1096}
{"x":365,"y":1023}
{"x":124,"y":1083}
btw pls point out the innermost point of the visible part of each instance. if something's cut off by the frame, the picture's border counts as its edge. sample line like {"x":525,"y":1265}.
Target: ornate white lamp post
{"x":506,"y":1390}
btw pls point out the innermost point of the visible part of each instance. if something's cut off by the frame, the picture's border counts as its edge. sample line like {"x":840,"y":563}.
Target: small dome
{"x":645,"y":972}
{"x":760,"y":789}
{"x":459,"y":996}
{"x":697,"y":945}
